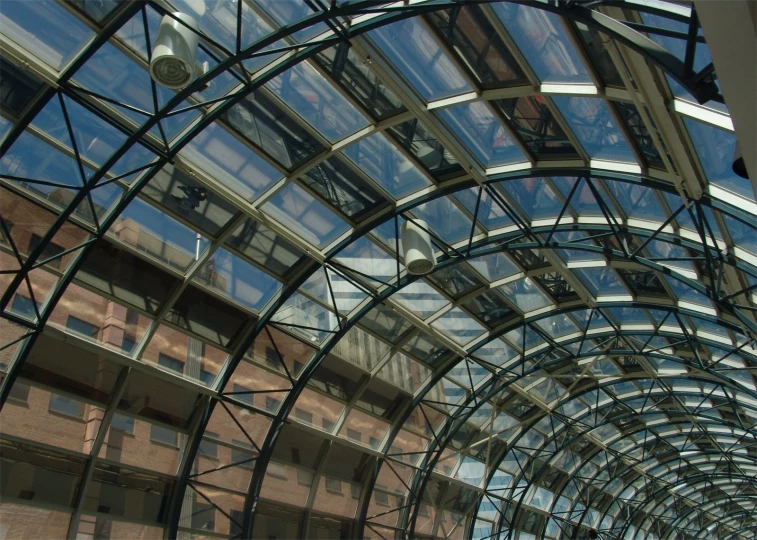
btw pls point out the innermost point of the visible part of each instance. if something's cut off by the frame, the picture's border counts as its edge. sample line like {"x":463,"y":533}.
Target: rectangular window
{"x":355,"y":491}
{"x":297,"y":367}
{"x":374,"y":443}
{"x":277,"y":470}
{"x":66,"y":405}
{"x":171,"y":363}
{"x":235,"y":528}
{"x":127,"y":345}
{"x":19,"y":391}
{"x":381,"y":498}
{"x":272,"y":404}
{"x":50,"y":250}
{"x":333,"y":485}
{"x":272,"y":358}
{"x":83,"y":328}
{"x":23,"y":306}
{"x":304,"y":477}
{"x":354,"y":435}
{"x":238,"y":456}
{"x":163,"y":435}
{"x":121,"y":422}
{"x":249,"y":399}
{"x":207,"y":378}
{"x":203,"y":516}
{"x":208,"y":448}
{"x":304,"y":416}
{"x":328,"y":425}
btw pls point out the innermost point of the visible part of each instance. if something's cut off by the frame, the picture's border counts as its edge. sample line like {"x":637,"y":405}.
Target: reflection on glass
{"x":445,"y":220}
{"x":534,"y":196}
{"x":482,"y":133}
{"x":295,"y":208}
{"x":150,"y":231}
{"x":315,"y":100}
{"x":533,"y":121}
{"x":541,"y":38}
{"x":427,"y":150}
{"x":421,"y":299}
{"x":458,"y":326}
{"x":382,"y":162}
{"x":420,"y":59}
{"x":591,"y":121}
{"x":715,"y":149}
{"x":237,"y":280}
{"x":525,"y":295}
{"x":46,"y":28}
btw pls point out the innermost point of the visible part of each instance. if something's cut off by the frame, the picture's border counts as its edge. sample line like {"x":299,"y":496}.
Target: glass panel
{"x":601,"y":281}
{"x":482,"y":133}
{"x":535,"y":197}
{"x":150,"y":231}
{"x":541,"y":38}
{"x":37,"y":474}
{"x":458,"y":326}
{"x":19,"y":88}
{"x":592,"y":123}
{"x":45,"y":28}
{"x":490,"y":213}
{"x":269,"y":128}
{"x":237,"y":280}
{"x":429,"y":152}
{"x":231,"y":162}
{"x":91,"y":316}
{"x":419,"y":58}
{"x":383,"y":163}
{"x":355,"y":77}
{"x":184,"y":355}
{"x":715,"y":150}
{"x":344,"y":189}
{"x":470,"y":33}
{"x":637,"y":201}
{"x":121,"y":492}
{"x":537,"y":126}
{"x":638,"y":130}
{"x":315,"y":99}
{"x":94,"y":526}
{"x":524,"y":294}
{"x":421,"y":299}
{"x":24,"y":521}
{"x":266,"y":248}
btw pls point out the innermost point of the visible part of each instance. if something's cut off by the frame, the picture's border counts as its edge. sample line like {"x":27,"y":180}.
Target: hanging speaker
{"x":417,"y":248}
{"x":173,"y":59}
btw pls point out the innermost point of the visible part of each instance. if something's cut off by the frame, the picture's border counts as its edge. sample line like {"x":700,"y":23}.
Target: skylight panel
{"x":458,"y":326}
{"x":542,"y":39}
{"x":534,"y":196}
{"x":444,"y":219}
{"x":420,"y":298}
{"x":293,"y":207}
{"x":490,"y":213}
{"x":381,"y":161}
{"x":601,"y":281}
{"x":230,"y":162}
{"x":526,"y":295}
{"x":306,"y":91}
{"x":286,"y":12}
{"x":592,"y":123}
{"x":482,"y":133}
{"x":418,"y":57}
{"x":238,"y":280}
{"x":715,"y":149}
{"x":637,"y":201}
{"x":44,"y":28}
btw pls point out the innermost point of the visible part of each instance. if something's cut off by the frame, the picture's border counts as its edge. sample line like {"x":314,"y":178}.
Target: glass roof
{"x":208,"y":329}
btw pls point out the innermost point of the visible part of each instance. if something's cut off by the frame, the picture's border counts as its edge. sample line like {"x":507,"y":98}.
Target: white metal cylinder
{"x":417,"y":248}
{"x":173,"y":58}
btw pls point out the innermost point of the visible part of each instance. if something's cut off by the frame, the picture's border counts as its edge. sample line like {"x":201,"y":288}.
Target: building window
{"x":235,"y":528}
{"x":163,"y":435}
{"x":66,"y":405}
{"x":208,"y":448}
{"x":333,"y":485}
{"x":171,"y":363}
{"x":19,"y":391}
{"x":304,"y":477}
{"x":207,"y":378}
{"x":382,"y":498}
{"x":272,"y":358}
{"x":128,"y":345}
{"x":249,"y":399}
{"x":328,"y":425}
{"x":83,"y":328}
{"x":297,"y":367}
{"x":374,"y":443}
{"x":354,"y":435}
{"x":303,"y":416}
{"x":48,"y":252}
{"x":23,"y":306}
{"x":355,"y":491}
{"x":423,"y":510}
{"x":238,"y":456}
{"x":272,"y":404}
{"x":203,"y":516}
{"x":277,"y":470}
{"x":121,"y":422}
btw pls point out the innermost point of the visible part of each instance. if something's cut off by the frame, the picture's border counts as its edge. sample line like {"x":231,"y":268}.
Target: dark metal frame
{"x":697,"y":83}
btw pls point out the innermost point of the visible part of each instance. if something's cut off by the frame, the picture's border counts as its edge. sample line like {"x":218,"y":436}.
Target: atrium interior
{"x":207,"y":325}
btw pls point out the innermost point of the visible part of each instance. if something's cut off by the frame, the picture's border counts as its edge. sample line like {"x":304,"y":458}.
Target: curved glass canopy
{"x":208,"y":330}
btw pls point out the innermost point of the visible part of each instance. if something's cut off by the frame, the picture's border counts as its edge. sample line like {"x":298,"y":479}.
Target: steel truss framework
{"x":726,"y":281}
